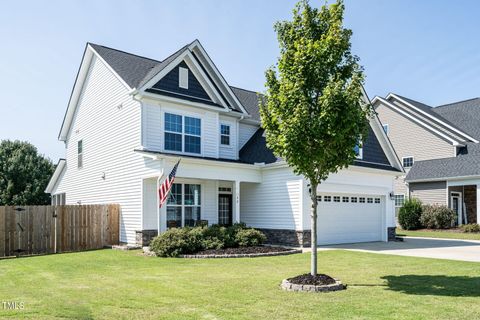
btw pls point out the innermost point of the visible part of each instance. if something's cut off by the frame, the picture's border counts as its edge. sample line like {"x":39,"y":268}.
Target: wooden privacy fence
{"x":28,"y":230}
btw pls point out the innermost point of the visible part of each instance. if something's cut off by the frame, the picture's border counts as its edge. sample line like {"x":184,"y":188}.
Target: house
{"x":440,"y":152}
{"x":130,"y":119}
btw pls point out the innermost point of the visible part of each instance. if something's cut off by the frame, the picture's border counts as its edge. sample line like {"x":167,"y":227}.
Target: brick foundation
{"x":287,"y":237}
{"x":392,"y":234}
{"x":144,"y":237}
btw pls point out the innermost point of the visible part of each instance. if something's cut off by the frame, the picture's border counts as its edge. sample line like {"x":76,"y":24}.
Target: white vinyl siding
{"x":228,"y":151}
{"x":276,"y":203}
{"x":112,"y":134}
{"x":245,"y":132}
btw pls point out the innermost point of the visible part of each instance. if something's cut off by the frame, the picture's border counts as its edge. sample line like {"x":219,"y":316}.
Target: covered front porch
{"x":200,"y":195}
{"x":463,"y":197}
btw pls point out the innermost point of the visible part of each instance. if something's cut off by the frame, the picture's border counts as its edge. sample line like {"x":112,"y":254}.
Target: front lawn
{"x":109,"y":284}
{"x":438,"y":234}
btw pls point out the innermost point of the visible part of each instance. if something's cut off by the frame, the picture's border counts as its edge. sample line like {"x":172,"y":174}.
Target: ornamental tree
{"x":314,"y":114}
{"x":24,"y":174}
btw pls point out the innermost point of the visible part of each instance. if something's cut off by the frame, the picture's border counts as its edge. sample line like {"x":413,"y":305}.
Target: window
{"x":353,"y":199}
{"x":319,"y":198}
{"x":225,"y":189}
{"x":399,"y":200}
{"x":336,"y":199}
{"x":327,"y":198}
{"x":369,"y":200}
{"x":225,"y":134}
{"x":377,"y":200}
{"x":345,"y":199}
{"x":80,"y":154}
{"x":407,"y":162}
{"x":184,"y":205}
{"x":386,"y":128}
{"x":182,"y":133}
{"x":58,"y":199}
{"x":362,"y":200}
{"x":183,"y":78}
{"x":359,"y":150}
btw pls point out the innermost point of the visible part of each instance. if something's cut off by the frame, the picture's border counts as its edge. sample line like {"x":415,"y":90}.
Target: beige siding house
{"x":439,"y":149}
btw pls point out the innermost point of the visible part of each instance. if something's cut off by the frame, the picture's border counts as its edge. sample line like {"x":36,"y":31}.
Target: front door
{"x":225,"y":209}
{"x":456,"y":205}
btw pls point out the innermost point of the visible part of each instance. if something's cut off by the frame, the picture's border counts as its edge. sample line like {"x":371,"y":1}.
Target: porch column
{"x":236,"y":201}
{"x":478,"y":204}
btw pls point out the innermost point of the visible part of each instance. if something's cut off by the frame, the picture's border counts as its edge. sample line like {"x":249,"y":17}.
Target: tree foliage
{"x":314,"y":114}
{"x":24,"y":174}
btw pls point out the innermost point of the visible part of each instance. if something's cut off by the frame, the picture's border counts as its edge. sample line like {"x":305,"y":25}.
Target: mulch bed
{"x":308,"y":279}
{"x":242,"y":250}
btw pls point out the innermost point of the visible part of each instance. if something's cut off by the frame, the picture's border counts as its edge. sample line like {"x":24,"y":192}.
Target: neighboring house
{"x":130,"y":118}
{"x":440,"y":152}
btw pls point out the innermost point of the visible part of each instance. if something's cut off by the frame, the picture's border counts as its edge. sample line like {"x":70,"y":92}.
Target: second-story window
{"x":225,"y":134}
{"x":359,"y":149}
{"x":80,"y":154}
{"x":407,"y":162}
{"x":182,"y":133}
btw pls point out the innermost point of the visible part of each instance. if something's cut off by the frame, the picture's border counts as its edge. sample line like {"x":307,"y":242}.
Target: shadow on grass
{"x":437,"y":285}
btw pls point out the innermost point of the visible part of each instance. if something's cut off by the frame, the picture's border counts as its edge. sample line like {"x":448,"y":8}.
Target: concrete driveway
{"x":464,"y":250}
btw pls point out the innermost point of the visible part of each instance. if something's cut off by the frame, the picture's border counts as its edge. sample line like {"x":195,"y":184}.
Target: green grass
{"x":109,"y":284}
{"x":439,"y":234}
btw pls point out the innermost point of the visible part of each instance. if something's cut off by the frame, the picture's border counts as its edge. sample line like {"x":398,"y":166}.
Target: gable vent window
{"x":183,"y":78}
{"x":80,"y":154}
{"x":225,"y":134}
{"x":407,"y":162}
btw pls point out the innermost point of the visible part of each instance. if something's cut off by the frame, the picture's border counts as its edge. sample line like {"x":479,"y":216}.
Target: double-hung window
{"x":407,"y":162}
{"x":225,"y":134}
{"x":184,"y":205}
{"x":399,"y":200}
{"x":182,"y":133}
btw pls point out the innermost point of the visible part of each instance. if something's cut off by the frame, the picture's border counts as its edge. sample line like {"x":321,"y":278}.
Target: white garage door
{"x":349,"y":218}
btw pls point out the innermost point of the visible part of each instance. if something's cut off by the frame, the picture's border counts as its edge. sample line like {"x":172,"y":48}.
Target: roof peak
{"x":123,"y":51}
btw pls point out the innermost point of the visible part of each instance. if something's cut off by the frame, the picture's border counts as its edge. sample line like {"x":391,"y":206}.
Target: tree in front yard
{"x":314,"y":115}
{"x":24,"y":174}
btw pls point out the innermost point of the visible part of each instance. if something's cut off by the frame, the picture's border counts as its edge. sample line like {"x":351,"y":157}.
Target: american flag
{"x":167,"y":185}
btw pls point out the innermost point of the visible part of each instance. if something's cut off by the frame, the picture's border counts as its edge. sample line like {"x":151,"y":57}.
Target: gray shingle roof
{"x":256,"y":151}
{"x":463,"y":114}
{"x":136,"y":71}
{"x":249,"y":100}
{"x":467,"y":163}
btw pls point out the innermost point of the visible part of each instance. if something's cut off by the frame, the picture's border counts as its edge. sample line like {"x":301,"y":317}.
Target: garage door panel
{"x":343,"y":221}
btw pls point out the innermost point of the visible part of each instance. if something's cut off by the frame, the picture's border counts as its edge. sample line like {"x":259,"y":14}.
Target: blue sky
{"x":426,"y":50}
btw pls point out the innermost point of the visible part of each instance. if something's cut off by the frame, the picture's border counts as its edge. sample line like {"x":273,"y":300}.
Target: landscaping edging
{"x":147,"y":252}
{"x":337,"y":286}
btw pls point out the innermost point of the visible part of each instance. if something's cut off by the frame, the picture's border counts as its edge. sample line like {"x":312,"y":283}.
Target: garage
{"x":349,"y":218}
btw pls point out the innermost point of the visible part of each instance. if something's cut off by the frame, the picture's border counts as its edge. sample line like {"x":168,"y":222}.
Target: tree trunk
{"x":313,"y":216}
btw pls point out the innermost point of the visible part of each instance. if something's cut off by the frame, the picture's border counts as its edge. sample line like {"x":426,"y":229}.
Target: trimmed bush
{"x":409,"y":214}
{"x":174,"y":242}
{"x":471,"y":228}
{"x":178,"y":241}
{"x":249,"y":238}
{"x":437,"y":217}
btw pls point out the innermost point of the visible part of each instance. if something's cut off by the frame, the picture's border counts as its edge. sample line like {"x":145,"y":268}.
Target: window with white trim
{"x":184,"y":205}
{"x":353,"y":199}
{"x":377,"y":200}
{"x":362,"y":200}
{"x":407,"y":162}
{"x":327,"y":198}
{"x":225,"y":134}
{"x":336,"y":198}
{"x":399,"y":199}
{"x":80,"y":154}
{"x":369,"y":200}
{"x":183,"y":78}
{"x":386,"y":128}
{"x":182,"y":133}
{"x":359,"y":149}
{"x":345,"y":199}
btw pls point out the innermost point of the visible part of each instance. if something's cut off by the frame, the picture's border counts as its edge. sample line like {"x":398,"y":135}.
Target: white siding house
{"x":130,"y":119}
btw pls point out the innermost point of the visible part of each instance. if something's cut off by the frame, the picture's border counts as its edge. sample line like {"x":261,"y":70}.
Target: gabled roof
{"x":249,"y":101}
{"x":466,"y":164}
{"x":136,"y":71}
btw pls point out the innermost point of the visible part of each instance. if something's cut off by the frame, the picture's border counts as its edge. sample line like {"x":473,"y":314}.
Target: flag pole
{"x":158,"y":201}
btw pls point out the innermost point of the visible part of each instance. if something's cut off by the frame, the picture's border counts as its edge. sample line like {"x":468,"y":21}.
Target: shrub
{"x":437,"y":217}
{"x":471,"y":227}
{"x":409,"y":214}
{"x":174,"y":242}
{"x":177,"y":241}
{"x":249,"y":238}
